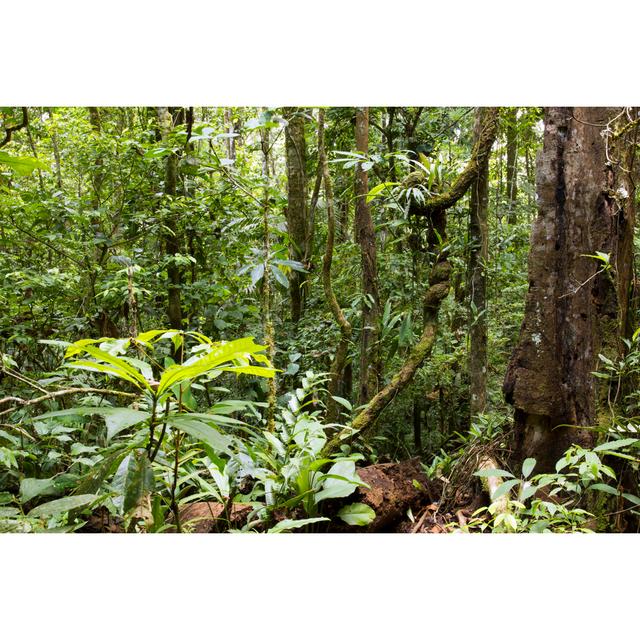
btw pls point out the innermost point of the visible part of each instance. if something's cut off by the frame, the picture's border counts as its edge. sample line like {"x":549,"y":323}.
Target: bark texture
{"x":370,"y":365}
{"x":478,"y":256}
{"x":171,"y":239}
{"x":511,"y":125}
{"x":297,"y":213}
{"x":575,"y":308}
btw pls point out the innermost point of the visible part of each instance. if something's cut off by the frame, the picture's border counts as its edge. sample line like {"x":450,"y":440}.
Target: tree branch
{"x":9,"y":131}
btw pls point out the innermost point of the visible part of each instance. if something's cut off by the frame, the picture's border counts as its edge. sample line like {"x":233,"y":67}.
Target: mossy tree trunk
{"x":298,"y":220}
{"x":370,"y":364}
{"x":511,"y":126}
{"x":439,"y":284}
{"x":577,"y":305}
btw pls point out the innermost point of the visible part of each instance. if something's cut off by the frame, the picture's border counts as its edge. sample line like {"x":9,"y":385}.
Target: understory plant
{"x":164,"y":449}
{"x":557,"y":502}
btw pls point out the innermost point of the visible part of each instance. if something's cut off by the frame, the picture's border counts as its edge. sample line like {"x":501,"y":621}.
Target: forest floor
{"x":404,"y":499}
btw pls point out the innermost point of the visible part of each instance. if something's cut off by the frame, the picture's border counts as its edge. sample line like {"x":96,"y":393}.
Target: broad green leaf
{"x":116,"y":418}
{"x":527,"y":467}
{"x":378,"y":189}
{"x":631,"y":498}
{"x":281,"y":279}
{"x":219,"y":442}
{"x":345,"y":403}
{"x":263,"y":372}
{"x":616,"y":444}
{"x":120,"y":363}
{"x":22,"y":165}
{"x":32,"y":487}
{"x":219,"y":354}
{"x":287,"y":525}
{"x":56,"y":507}
{"x":133,"y":480}
{"x":341,"y":481}
{"x":97,"y":475}
{"x":89,"y":365}
{"x":493,"y":473}
{"x":605,"y":488}
{"x":503,"y":489}
{"x":358,"y":514}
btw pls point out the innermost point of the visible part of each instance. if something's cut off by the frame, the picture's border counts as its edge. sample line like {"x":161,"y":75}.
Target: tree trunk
{"x":267,"y":323}
{"x":370,"y":365}
{"x":171,"y":239}
{"x":511,"y":124}
{"x":297,"y":218}
{"x":576,"y":306}
{"x":478,"y":256}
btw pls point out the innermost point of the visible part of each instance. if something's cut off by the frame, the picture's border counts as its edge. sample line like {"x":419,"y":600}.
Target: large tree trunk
{"x":478,"y":255}
{"x":370,"y":365}
{"x":297,"y":218}
{"x":576,"y":306}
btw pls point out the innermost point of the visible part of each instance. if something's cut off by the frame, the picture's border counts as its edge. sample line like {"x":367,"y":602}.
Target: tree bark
{"x":576,"y":306}
{"x":370,"y":365}
{"x":511,"y":124}
{"x":478,"y":256}
{"x":297,"y":218}
{"x":267,"y":323}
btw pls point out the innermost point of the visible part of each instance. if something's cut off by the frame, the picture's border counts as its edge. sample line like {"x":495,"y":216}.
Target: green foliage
{"x":554,"y":502}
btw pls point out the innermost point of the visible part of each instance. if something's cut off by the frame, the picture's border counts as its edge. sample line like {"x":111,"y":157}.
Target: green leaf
{"x":493,"y":473}
{"x":340,"y":481}
{"x":279,"y":276}
{"x":345,"y":403}
{"x":56,"y":507}
{"x":133,"y":479}
{"x":116,"y":418}
{"x":287,"y":525}
{"x":256,"y":274}
{"x":631,"y":498}
{"x":503,"y":489}
{"x":527,"y":467}
{"x":616,"y":444}
{"x":605,"y":488}
{"x":22,"y":165}
{"x":221,"y":353}
{"x":203,"y":432}
{"x":378,"y":189}
{"x":358,"y":514}
{"x":32,"y":487}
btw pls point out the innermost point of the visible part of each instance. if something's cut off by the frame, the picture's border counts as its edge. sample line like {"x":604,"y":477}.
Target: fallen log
{"x":395,"y":487}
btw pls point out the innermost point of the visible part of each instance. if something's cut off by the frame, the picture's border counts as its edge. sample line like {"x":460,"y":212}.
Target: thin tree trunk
{"x":438,"y":289}
{"x":511,"y":124}
{"x":231,"y":142}
{"x":576,"y":306}
{"x":370,"y":364}
{"x":340,"y":357}
{"x":478,"y":256}
{"x":267,"y":323}
{"x":297,"y":218}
